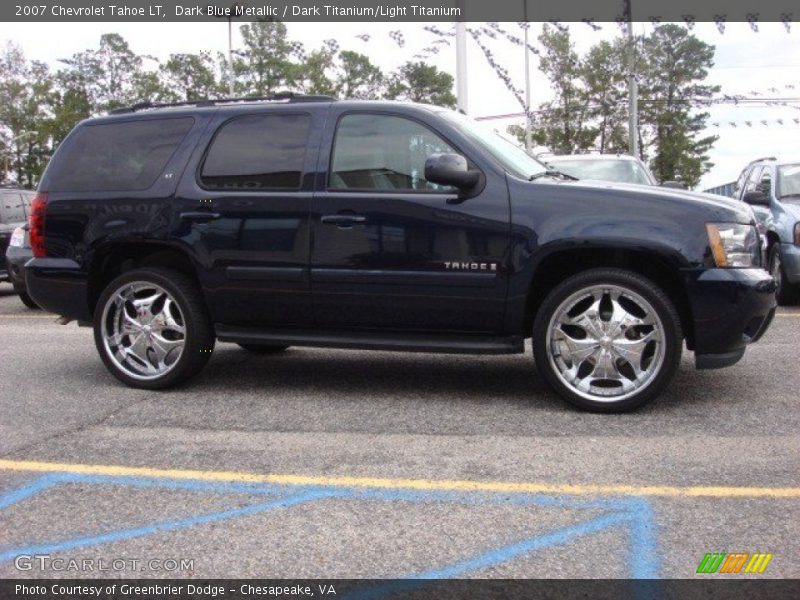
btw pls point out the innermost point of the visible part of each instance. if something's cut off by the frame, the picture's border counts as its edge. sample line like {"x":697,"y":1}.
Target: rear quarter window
{"x":123,"y":156}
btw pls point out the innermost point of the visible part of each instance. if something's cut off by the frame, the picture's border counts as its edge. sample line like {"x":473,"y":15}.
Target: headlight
{"x":733,"y":245}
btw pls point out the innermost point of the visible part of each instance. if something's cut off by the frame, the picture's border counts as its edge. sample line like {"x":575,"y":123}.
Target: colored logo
{"x":736,"y":562}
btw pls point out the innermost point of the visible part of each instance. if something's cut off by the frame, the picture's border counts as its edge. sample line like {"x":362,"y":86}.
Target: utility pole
{"x":230,"y":53}
{"x":633,"y":100}
{"x":461,"y":66}
{"x":528,"y":142}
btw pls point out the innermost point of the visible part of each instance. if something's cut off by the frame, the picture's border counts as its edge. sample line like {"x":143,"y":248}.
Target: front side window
{"x":754,"y":179}
{"x":383,"y":152}
{"x":258,"y":152}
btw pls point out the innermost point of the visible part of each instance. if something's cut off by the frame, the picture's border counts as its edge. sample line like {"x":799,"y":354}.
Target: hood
{"x":728,"y":209}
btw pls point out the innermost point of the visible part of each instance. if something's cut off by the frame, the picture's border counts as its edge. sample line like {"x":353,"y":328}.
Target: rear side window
{"x":119,"y":156}
{"x":258,"y":152}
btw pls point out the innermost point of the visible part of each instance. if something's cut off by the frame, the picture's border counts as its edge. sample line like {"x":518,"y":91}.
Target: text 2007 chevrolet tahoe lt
{"x":309,"y":221}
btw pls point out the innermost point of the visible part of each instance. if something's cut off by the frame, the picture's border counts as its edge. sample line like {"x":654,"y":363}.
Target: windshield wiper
{"x":552,"y":173}
{"x":792,"y":195}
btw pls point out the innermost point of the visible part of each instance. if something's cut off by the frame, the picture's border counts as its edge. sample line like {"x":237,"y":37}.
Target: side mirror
{"x":756,"y":198}
{"x":451,"y":170}
{"x":674,"y":184}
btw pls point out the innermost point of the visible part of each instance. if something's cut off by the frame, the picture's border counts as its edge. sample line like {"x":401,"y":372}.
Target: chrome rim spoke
{"x":606,"y":342}
{"x":144,"y":331}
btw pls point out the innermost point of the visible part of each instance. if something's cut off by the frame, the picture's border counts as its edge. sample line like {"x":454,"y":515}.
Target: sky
{"x":745,"y":61}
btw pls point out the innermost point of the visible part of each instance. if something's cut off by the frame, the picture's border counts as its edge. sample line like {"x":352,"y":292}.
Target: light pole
{"x":633,"y":100}
{"x":461,"y":64}
{"x":528,"y":142}
{"x":229,"y":14}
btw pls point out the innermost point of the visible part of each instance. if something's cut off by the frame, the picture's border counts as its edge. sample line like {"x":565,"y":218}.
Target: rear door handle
{"x":343,"y":220}
{"x":200,"y":216}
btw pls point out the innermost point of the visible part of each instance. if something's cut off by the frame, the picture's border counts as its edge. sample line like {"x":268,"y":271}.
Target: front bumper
{"x":731,"y":308}
{"x":790,"y":257}
{"x":60,"y":286}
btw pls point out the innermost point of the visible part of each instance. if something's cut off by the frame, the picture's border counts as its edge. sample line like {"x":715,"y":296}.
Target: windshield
{"x":512,"y":157}
{"x":789,"y":181}
{"x":604,"y":169}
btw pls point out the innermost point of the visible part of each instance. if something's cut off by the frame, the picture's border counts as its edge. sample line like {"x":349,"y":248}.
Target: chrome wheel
{"x":143,"y":330}
{"x":606,"y":343}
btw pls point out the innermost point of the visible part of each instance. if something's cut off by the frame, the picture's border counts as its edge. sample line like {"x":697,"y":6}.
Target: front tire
{"x":152,"y":329}
{"x":785,"y":293}
{"x":607,"y":340}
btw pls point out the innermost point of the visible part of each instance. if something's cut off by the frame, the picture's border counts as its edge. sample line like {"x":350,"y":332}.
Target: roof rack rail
{"x":277,"y":97}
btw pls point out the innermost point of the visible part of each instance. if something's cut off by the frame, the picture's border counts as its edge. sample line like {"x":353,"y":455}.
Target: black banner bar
{"x":708,"y":587}
{"x":595,"y":11}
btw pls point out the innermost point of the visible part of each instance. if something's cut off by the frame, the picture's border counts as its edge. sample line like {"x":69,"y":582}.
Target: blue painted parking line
{"x":135,"y":532}
{"x":631,"y":513}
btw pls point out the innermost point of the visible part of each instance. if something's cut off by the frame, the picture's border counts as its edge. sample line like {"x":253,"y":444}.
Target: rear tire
{"x":607,"y":340}
{"x":786,"y":293}
{"x":262,"y":348}
{"x":152,"y":329}
{"x":27,"y":300}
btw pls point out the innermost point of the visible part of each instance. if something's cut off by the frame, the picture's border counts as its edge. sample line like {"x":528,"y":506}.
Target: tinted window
{"x":258,"y":152}
{"x":380,"y":152}
{"x":118,"y":156}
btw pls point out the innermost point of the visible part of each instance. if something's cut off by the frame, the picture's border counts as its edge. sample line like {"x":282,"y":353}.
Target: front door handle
{"x":200,"y":216}
{"x":343,"y":220}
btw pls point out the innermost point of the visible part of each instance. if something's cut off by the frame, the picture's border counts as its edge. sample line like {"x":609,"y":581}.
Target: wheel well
{"x":772,"y":239}
{"x":558,"y":266}
{"x":114,"y":261}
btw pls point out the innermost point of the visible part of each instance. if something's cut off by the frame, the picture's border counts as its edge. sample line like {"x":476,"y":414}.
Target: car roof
{"x":778,"y":160}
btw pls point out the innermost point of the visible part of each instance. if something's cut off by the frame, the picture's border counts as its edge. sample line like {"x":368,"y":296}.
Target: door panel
{"x":246,"y":215}
{"x":406,"y":259}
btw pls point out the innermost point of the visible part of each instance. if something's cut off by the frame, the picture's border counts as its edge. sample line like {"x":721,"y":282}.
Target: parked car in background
{"x":617,"y":168}
{"x":17,"y":254}
{"x":772,"y":187}
{"x":303,"y":220}
{"x":14,"y":210}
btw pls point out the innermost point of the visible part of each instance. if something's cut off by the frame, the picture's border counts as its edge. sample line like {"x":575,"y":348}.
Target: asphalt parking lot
{"x":328,"y":463}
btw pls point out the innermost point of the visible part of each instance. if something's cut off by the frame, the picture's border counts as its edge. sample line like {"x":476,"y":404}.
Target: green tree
{"x":564,"y":123}
{"x":110,"y":76}
{"x":266,"y":65}
{"x":676,"y":64}
{"x":419,"y":82}
{"x":25,"y":88}
{"x":357,"y":77}
{"x":603,"y":73}
{"x":186,"y":77}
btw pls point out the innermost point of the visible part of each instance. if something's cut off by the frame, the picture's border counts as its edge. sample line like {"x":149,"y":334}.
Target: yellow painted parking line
{"x":790,"y":315}
{"x":416,"y":484}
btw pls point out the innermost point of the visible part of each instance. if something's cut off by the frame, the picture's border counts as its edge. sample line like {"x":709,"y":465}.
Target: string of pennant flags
{"x":482,"y":34}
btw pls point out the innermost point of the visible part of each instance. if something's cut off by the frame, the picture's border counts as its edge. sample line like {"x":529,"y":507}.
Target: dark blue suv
{"x":302,"y":220}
